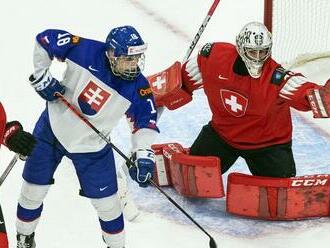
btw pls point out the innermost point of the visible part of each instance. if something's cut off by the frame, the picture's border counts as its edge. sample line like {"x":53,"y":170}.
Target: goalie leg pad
{"x":162,"y":174}
{"x":196,"y":176}
{"x":278,"y":198}
{"x":192,"y":176}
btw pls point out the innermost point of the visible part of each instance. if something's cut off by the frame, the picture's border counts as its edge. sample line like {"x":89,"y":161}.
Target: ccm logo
{"x":308,"y":182}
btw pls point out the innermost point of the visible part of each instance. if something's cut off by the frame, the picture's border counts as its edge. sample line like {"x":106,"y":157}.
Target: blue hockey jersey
{"x":92,"y":87}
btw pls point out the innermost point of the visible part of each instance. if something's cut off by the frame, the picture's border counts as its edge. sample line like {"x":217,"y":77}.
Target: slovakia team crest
{"x":234,"y":102}
{"x":92,"y":98}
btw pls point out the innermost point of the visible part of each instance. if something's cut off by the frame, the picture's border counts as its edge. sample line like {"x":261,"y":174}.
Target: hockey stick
{"x":128,"y":161}
{"x":194,"y":42}
{"x":201,"y":29}
{"x":9,"y":168}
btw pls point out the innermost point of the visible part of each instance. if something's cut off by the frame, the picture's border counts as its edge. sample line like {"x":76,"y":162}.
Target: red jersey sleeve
{"x":191,"y":75}
{"x":294,"y":90}
{"x":3,"y":121}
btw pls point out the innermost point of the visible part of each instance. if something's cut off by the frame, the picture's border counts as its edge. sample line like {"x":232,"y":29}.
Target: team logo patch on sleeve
{"x":92,"y":98}
{"x":278,"y":75}
{"x":44,"y":40}
{"x":206,"y":50}
{"x":145,"y":92}
{"x":75,"y":39}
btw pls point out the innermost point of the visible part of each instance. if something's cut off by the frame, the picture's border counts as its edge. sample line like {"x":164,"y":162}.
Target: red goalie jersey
{"x":3,"y":234}
{"x":247,"y":112}
{"x":2,"y":122}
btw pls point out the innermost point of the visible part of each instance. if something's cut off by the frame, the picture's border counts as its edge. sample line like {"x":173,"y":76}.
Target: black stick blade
{"x":212,"y":243}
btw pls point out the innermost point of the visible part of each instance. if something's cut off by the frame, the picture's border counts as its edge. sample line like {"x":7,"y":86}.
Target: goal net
{"x":300,"y":28}
{"x":301,"y":40}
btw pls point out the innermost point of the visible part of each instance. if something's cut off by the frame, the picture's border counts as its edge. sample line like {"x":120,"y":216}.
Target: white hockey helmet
{"x":254,"y":44}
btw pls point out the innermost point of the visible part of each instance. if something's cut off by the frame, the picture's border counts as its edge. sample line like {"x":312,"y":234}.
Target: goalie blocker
{"x":278,"y":198}
{"x":167,"y":88}
{"x":191,"y":176}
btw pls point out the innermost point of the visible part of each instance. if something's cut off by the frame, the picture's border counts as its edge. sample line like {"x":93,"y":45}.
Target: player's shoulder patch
{"x":75,"y":39}
{"x":145,"y":91}
{"x":206,"y":50}
{"x":278,"y":75}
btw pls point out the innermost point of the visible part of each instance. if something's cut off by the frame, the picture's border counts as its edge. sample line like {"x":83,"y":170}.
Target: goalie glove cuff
{"x":319,"y":100}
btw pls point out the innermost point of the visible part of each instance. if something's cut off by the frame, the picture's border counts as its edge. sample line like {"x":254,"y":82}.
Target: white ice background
{"x":168,"y":26}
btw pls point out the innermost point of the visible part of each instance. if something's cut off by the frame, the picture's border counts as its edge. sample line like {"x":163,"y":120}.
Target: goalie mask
{"x":254,"y":44}
{"x":125,"y":51}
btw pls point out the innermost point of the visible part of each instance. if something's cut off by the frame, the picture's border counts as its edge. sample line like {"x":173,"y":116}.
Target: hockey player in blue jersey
{"x":104,"y":81}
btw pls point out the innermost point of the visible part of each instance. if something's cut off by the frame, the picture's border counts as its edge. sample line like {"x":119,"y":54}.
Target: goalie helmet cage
{"x":300,"y":28}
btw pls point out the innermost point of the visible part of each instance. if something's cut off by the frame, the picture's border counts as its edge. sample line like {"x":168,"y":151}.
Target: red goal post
{"x":300,"y":28}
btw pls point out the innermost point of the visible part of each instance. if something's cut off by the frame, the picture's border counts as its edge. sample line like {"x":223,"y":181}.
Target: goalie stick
{"x":212,"y":242}
{"x":201,"y":29}
{"x":183,"y":97}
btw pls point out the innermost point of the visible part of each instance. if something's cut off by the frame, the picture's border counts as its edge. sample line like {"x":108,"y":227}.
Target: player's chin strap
{"x":10,"y":167}
{"x":130,"y":163}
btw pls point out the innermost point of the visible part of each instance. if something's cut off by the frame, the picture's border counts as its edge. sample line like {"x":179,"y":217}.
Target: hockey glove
{"x":46,"y":86}
{"x":142,"y":171}
{"x":319,"y":100}
{"x":18,"y":140}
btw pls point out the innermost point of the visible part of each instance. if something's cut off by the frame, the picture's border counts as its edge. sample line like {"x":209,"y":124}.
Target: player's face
{"x":257,"y":55}
{"x":126,"y":66}
{"x":128,"y":63}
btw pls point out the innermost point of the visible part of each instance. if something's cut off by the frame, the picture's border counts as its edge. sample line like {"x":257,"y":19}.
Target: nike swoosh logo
{"x":102,"y":189}
{"x":91,"y":68}
{"x":1,"y":222}
{"x":223,"y":78}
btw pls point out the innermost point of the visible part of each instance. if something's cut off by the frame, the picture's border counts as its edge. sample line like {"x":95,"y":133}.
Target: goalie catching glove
{"x":143,"y":169}
{"x":18,"y":140}
{"x":46,"y":86}
{"x":319,"y":99}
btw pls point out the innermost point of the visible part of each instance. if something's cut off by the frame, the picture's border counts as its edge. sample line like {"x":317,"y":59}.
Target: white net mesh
{"x":300,"y":27}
